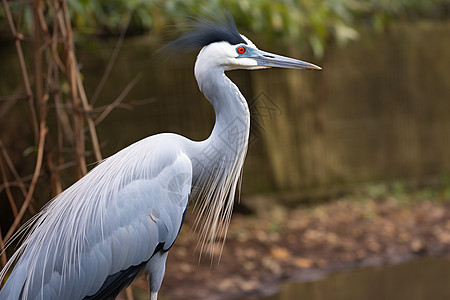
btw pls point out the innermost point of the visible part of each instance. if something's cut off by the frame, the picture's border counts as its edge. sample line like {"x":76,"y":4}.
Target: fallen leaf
{"x":303,"y":262}
{"x":280,"y":253}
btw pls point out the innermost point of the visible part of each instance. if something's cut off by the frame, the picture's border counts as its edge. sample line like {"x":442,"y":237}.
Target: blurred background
{"x":348,"y":167}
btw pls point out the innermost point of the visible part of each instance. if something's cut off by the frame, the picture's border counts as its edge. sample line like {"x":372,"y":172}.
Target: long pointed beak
{"x":267,"y":59}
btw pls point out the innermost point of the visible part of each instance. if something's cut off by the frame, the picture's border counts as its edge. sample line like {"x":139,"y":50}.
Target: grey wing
{"x":145,"y":216}
{"x":150,"y":214}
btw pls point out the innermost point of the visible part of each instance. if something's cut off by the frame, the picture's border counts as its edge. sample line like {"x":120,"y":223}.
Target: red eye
{"x":241,"y":50}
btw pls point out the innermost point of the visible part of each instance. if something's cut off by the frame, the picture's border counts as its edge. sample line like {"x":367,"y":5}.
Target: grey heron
{"x":92,"y":240}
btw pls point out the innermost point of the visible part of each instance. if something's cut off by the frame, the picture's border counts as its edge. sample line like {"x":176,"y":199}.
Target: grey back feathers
{"x":202,"y":32}
{"x":93,"y":238}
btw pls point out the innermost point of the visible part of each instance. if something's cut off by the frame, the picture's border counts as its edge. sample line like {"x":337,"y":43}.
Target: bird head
{"x":245,"y":55}
{"x":222,"y":46}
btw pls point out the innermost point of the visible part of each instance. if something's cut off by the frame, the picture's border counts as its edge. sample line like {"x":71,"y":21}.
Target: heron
{"x":121,"y":218}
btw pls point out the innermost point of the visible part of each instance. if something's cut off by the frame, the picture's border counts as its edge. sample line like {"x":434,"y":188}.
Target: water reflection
{"x":426,"y":278}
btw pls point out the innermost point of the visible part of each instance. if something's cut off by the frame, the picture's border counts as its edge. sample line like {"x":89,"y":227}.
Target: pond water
{"x":425,"y":278}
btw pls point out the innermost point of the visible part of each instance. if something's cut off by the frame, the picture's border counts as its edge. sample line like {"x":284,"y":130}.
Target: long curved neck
{"x":218,"y":161}
{"x":230,"y":107}
{"x":229,"y":137}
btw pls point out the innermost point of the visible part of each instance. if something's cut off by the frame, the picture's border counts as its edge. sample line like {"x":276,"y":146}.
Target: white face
{"x":229,"y":57}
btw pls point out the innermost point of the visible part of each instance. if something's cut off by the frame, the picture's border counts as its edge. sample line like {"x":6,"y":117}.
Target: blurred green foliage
{"x":314,"y":22}
{"x":311,"y":22}
{"x":405,"y":193}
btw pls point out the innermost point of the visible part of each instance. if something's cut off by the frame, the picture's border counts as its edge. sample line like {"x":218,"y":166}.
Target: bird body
{"x":124,"y":215}
{"x":117,"y":221}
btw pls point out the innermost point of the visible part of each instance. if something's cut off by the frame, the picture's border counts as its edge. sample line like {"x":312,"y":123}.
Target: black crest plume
{"x":201,"y":32}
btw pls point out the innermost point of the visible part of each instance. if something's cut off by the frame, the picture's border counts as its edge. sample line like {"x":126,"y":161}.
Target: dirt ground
{"x":260,"y":252}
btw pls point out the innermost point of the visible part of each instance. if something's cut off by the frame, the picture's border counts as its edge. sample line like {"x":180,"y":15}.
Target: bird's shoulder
{"x":153,"y":153}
